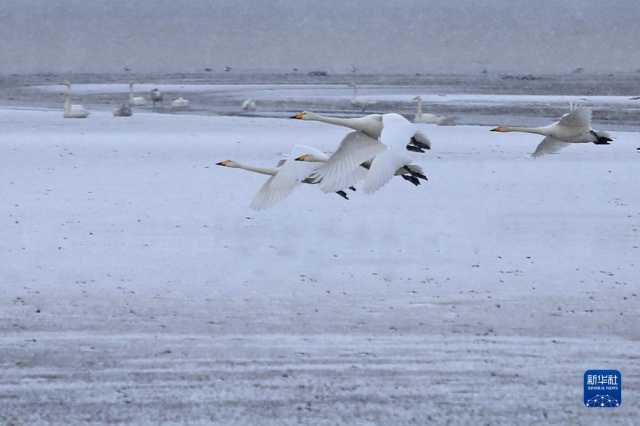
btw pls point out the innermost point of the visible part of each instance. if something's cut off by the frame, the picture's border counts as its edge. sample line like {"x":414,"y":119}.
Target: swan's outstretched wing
{"x":383,"y":168}
{"x":342,"y":168}
{"x":549,"y":145}
{"x":290,"y":174}
{"x":578,"y":118}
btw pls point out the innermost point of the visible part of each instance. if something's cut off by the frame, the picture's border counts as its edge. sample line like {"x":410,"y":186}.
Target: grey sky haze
{"x":403,"y":36}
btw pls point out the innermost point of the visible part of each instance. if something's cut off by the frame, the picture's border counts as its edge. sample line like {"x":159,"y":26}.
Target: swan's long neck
{"x":355,"y":91}
{"x":352,"y":123}
{"x":419,"y":110}
{"x":537,"y":130}
{"x":261,"y":170}
{"x":67,"y":99}
{"x":130,"y":92}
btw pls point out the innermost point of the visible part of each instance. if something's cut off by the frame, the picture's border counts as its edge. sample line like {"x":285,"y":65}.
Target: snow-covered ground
{"x":138,"y":287}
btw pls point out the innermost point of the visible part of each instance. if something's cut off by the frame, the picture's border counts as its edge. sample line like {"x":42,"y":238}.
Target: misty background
{"x":378,"y":36}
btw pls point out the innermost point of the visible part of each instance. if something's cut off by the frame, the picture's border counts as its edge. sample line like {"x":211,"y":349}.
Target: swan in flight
{"x":409,"y":172}
{"x":70,"y":110}
{"x":284,"y":178}
{"x":373,"y":125}
{"x":385,"y":140}
{"x":359,"y":102}
{"x":427,"y":118}
{"x":249,"y":105}
{"x":573,"y":127}
{"x":135,"y":100}
{"x":156,"y":96}
{"x":180,"y":103}
{"x":123,"y":110}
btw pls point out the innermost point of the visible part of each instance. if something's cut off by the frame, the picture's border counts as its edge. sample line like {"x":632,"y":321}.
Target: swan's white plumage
{"x":578,"y":118}
{"x":289,"y":174}
{"x":397,"y":131}
{"x":341,"y":169}
{"x":384,"y":167}
{"x":549,"y":145}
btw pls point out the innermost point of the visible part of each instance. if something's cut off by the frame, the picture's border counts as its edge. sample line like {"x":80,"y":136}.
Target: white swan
{"x":70,"y":110}
{"x":135,"y":100}
{"x":123,"y":110}
{"x":359,"y":102}
{"x":180,"y":103}
{"x":249,"y":105}
{"x":156,"y":96}
{"x":385,"y":140}
{"x":284,"y":179}
{"x":410,"y":172}
{"x":425,"y":117}
{"x":373,"y":125}
{"x":573,"y":127}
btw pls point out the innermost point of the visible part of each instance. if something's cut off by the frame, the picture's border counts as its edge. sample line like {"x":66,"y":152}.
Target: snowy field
{"x":139,"y":288}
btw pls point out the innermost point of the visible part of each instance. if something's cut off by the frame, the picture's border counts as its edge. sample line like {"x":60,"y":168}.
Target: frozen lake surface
{"x":139,"y":288}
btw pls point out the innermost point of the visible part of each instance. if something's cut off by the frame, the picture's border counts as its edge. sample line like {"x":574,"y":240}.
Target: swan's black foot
{"x":419,"y":144}
{"x":420,"y":176}
{"x":415,"y":148}
{"x":412,"y":179}
{"x":603,"y":141}
{"x":353,"y":188}
{"x":342,"y":194}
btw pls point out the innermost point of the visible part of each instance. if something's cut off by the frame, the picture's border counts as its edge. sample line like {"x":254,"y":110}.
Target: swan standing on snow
{"x":180,"y":103}
{"x":156,"y":96}
{"x":284,"y":179}
{"x":123,"y":110}
{"x":573,"y":127}
{"x":409,"y":172}
{"x":388,"y":139}
{"x":425,"y":117}
{"x":359,"y":102}
{"x":135,"y":100}
{"x":249,"y":105}
{"x":70,"y":110}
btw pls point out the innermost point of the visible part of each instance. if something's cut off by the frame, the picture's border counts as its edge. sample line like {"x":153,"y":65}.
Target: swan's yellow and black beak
{"x":298,"y":116}
{"x":224,"y":163}
{"x":498,"y":129}
{"x":303,"y":157}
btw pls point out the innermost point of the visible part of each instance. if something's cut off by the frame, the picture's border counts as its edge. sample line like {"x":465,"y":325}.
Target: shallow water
{"x":278,"y":95}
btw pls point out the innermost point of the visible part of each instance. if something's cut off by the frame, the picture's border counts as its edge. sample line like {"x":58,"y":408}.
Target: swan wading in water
{"x":573,"y":127}
{"x":284,"y":178}
{"x":180,"y":103}
{"x":409,"y":172}
{"x":123,"y":110}
{"x":135,"y":100}
{"x":249,"y":105}
{"x":156,"y":96}
{"x":389,"y":138}
{"x":70,"y":110}
{"x":425,"y":117}
{"x":359,"y":102}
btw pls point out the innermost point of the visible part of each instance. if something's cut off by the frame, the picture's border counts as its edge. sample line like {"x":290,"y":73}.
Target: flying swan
{"x":573,"y":127}
{"x":427,"y":118}
{"x":409,"y":172}
{"x":284,"y":178}
{"x":70,"y":110}
{"x":389,"y":138}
